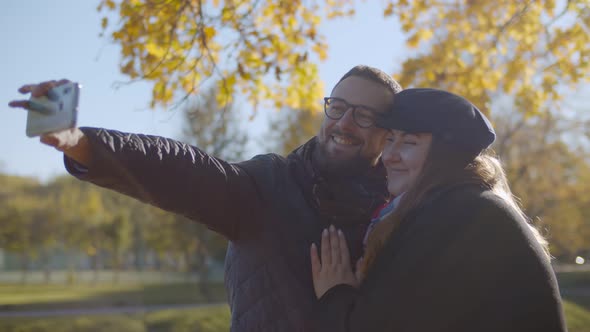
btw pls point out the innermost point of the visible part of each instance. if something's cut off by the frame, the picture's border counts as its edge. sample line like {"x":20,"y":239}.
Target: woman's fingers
{"x":335,"y":246}
{"x":334,"y":249}
{"x":326,"y":251}
{"x":344,"y":252}
{"x":316,"y":266}
{"x":358,"y":272}
{"x":334,"y":268}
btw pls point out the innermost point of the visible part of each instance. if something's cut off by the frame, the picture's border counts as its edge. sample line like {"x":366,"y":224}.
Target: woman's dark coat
{"x":465,"y":261}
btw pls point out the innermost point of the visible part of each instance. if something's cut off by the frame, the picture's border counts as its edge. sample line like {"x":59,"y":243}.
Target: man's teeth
{"x":343,"y":140}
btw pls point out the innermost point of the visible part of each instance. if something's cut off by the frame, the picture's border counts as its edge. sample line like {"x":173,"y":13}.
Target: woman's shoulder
{"x":474,"y":194}
{"x":471,"y":203}
{"x":460,"y":194}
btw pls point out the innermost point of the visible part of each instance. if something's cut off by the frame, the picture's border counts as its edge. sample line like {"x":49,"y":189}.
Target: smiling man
{"x":349,"y":142}
{"x":271,"y":208}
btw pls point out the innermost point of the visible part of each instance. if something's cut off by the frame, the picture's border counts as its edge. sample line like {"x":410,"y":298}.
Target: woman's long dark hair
{"x":445,"y":166}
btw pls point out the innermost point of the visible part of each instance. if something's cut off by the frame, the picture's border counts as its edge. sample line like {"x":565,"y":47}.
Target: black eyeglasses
{"x":363,"y":116}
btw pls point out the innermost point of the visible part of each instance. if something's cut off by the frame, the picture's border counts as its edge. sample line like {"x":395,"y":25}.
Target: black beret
{"x":446,"y":115}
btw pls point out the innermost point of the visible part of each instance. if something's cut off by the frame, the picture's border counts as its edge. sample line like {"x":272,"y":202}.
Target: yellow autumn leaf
{"x":155,"y":50}
{"x":209,"y":32}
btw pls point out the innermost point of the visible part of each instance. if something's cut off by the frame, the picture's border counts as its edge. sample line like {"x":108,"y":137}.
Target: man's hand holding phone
{"x":52,"y":116}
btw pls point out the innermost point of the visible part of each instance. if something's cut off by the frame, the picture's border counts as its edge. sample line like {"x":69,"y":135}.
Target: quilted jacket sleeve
{"x":175,"y":177}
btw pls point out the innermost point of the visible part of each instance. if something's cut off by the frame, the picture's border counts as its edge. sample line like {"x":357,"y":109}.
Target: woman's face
{"x":403,"y":156}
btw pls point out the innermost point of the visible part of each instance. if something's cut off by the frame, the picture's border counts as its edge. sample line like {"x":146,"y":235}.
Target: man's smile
{"x":345,"y":140}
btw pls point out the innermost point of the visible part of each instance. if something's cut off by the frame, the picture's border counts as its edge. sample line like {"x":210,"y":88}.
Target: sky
{"x":43,"y":40}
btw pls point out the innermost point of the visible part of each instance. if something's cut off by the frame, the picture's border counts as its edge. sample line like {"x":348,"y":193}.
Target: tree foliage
{"x":39,"y":220}
{"x":268,"y":50}
{"x":290,"y":128}
{"x":214,"y":128}
{"x":264,"y":50}
{"x":547,"y":160}
{"x":482,"y":49}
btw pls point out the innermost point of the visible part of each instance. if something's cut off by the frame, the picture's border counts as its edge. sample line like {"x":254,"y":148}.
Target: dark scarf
{"x":341,"y":203}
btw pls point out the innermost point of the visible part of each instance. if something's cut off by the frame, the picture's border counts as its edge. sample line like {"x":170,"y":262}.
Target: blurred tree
{"x":44,"y":230}
{"x":98,"y":225}
{"x":548,"y":165}
{"x":94,"y":216}
{"x":27,"y":222}
{"x":171,"y":235}
{"x":214,"y":128}
{"x":12,"y":184}
{"x":117,"y":235}
{"x":291,"y":128}
{"x":67,"y":195}
{"x":15,"y":231}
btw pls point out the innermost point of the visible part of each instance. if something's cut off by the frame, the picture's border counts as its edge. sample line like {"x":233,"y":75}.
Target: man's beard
{"x":331,"y":168}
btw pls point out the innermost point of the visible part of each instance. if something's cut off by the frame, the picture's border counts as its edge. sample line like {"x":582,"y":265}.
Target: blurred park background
{"x":242,"y":77}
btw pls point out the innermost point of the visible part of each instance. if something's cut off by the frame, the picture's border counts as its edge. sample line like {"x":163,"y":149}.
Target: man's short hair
{"x":373,"y":74}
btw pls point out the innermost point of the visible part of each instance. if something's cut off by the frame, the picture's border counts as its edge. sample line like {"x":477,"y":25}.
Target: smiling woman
{"x":404,"y":156}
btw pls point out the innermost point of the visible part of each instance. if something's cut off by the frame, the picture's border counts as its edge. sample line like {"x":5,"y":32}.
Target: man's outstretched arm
{"x":163,"y":172}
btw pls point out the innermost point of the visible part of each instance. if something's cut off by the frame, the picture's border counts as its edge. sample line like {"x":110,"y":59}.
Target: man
{"x":271,"y":208}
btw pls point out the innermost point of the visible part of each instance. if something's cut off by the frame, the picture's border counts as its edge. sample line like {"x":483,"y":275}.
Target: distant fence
{"x":104,"y":276}
{"x":133,"y":276}
{"x":563,"y":268}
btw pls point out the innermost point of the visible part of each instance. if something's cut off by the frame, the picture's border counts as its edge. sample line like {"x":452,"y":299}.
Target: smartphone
{"x":56,"y":111}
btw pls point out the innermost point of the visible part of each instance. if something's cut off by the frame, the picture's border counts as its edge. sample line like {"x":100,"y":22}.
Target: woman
{"x":455,"y":253}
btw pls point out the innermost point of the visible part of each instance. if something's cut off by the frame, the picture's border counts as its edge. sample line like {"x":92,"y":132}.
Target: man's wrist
{"x":80,"y":149}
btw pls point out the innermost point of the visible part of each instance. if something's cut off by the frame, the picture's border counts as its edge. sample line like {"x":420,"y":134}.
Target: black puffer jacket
{"x":270,"y":208}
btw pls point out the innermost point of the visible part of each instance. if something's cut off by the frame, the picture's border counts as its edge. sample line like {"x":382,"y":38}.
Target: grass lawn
{"x":43,"y":297}
{"x":578,"y":317}
{"x":49,"y":297}
{"x":210,"y":319}
{"x":39,"y":297}
{"x":576,"y":303}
